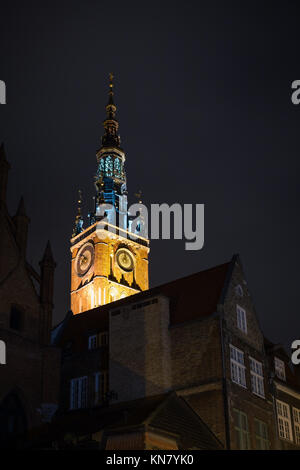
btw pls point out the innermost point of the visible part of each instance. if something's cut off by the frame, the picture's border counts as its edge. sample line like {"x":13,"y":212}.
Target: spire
{"x":21,"y":221}
{"x":48,"y":256}
{"x":138,"y":195}
{"x":21,"y":212}
{"x":110,"y":124}
{"x":111,"y":107}
{"x":78,"y":219}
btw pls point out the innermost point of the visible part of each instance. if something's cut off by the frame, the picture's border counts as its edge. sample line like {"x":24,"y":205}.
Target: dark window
{"x":15,"y":318}
{"x":261,"y":435}
{"x":241,"y":430}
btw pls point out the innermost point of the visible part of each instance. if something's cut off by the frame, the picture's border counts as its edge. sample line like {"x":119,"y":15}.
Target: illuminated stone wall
{"x":105,"y":281}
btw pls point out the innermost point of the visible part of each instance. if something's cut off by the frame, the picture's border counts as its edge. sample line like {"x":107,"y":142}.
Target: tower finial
{"x":78,"y":219}
{"x":111,"y":125}
{"x":138,"y":195}
{"x":111,"y":107}
{"x":111,"y":77}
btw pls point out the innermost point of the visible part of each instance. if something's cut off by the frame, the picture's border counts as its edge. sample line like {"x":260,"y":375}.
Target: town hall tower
{"x":109,"y":258}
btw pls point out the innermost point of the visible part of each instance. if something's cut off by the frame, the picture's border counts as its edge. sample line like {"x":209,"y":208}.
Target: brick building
{"x":29,"y":379}
{"x":181,"y":366}
{"x":197,"y":337}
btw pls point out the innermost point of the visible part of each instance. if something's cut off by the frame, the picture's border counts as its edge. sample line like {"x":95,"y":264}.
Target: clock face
{"x":124,"y":259}
{"x":85,"y":259}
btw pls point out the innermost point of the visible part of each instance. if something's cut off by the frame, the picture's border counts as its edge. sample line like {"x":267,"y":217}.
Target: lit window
{"x":261,"y":435}
{"x":257,"y":377}
{"x":237,"y":366}
{"x":101,"y":167}
{"x":284,"y":421}
{"x":117,"y":167}
{"x":296,"y":416}
{"x":78,"y":396}
{"x":279,"y":368}
{"x":93,"y":344}
{"x":108,"y":166}
{"x":241,"y":319}
{"x":241,"y":430}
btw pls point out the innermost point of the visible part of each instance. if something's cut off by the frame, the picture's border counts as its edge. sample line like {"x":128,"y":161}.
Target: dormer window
{"x":279,"y":368}
{"x":241,"y":319}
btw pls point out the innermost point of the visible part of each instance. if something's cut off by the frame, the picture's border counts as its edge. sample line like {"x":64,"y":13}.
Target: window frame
{"x":237,"y":368}
{"x":78,"y":393}
{"x":242,"y":434}
{"x":256,"y":377}
{"x":296,"y":422}
{"x":241,"y":319}
{"x":264,"y":442}
{"x":279,"y":367}
{"x":102,"y":338}
{"x":91,"y":338}
{"x":284,"y":423}
{"x":100,"y":388}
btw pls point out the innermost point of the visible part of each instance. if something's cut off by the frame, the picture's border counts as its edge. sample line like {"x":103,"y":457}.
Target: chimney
{"x":139,"y":349}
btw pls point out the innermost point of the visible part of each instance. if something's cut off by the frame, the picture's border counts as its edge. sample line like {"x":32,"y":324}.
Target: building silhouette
{"x":29,"y":381}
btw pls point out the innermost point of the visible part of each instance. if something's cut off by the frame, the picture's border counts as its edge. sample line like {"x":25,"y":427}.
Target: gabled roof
{"x":165,"y":413}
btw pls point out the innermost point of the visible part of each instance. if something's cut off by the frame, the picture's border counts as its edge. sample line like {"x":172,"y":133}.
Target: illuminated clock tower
{"x":109,"y":261}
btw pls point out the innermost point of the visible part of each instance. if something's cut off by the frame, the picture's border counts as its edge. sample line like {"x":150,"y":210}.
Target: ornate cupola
{"x":110,"y":124}
{"x":110,"y":180}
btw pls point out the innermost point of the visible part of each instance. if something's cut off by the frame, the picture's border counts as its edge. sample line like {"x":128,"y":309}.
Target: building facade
{"x":197,"y":337}
{"x":29,"y":381}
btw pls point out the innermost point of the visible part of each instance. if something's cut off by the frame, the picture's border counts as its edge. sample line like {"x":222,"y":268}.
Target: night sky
{"x":203,"y":93}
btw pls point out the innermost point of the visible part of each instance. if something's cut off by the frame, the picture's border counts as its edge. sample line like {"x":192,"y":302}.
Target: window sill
{"x":240,"y":385}
{"x":285,"y":439}
{"x":259,"y":396}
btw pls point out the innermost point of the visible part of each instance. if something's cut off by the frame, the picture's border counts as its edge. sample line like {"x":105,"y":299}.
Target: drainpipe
{"x":224,"y":387}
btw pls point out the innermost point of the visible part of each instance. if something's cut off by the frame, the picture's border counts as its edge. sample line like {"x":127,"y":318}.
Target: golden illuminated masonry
{"x":109,"y":259}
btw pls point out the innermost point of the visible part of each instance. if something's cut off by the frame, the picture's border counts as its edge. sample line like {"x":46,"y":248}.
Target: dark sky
{"x":203,"y":93}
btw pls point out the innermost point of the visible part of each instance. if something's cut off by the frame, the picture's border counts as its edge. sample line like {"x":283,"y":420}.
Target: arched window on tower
{"x":108,"y":166}
{"x":117,"y":167}
{"x":101,"y":167}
